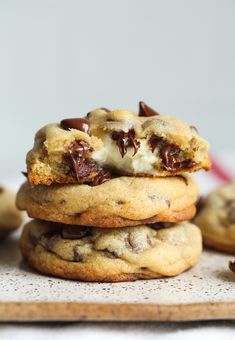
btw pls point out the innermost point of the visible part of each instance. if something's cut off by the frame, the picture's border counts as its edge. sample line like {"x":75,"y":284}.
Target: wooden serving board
{"x":205,"y":292}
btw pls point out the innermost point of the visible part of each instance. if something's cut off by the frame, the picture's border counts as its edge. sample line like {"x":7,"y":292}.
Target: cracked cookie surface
{"x":216,"y":218}
{"x":104,"y":143}
{"x":126,"y":254}
{"x":119,"y":202}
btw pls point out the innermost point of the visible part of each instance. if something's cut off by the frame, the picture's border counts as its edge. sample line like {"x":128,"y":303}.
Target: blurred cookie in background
{"x":10,"y":217}
{"x":216,"y":218}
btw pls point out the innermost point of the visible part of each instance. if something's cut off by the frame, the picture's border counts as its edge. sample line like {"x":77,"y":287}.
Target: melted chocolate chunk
{"x":131,"y":241}
{"x":49,"y":238}
{"x":77,"y":256}
{"x":112,"y":254}
{"x":1,"y":190}
{"x":81,"y":166}
{"x":125,"y":140}
{"x":72,"y":232}
{"x":169,"y":153}
{"x":149,"y":241}
{"x":80,"y":124}
{"x":160,"y":225}
{"x":101,"y":177}
{"x":231,"y":265}
{"x":146,"y":111}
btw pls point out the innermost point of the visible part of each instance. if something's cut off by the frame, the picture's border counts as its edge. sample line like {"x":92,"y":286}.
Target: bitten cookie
{"x":105,"y":142}
{"x":122,"y":201}
{"x":216,"y":218}
{"x":109,"y":255}
{"x":10,"y":217}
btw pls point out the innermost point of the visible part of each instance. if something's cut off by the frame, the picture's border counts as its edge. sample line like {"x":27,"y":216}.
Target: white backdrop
{"x":61,"y":58}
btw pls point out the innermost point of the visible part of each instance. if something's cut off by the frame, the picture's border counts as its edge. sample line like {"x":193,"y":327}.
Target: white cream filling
{"x":143,"y":161}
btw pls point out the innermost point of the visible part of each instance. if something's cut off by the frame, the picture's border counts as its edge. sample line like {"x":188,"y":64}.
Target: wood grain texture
{"x":62,"y":311}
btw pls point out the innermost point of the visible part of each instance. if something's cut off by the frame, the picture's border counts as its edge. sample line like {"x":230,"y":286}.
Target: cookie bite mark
{"x":171,"y":155}
{"x":146,"y":111}
{"x":125,"y":140}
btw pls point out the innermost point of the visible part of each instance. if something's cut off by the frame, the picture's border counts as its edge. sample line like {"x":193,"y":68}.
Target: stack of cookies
{"x":110,"y":196}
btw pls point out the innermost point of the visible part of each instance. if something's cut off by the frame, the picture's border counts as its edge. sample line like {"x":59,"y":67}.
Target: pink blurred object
{"x":219,"y":170}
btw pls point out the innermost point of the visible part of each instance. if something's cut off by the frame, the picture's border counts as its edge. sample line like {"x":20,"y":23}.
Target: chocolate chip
{"x":194,"y":129}
{"x":146,"y":111}
{"x":231,"y":265}
{"x":125,"y":140}
{"x":112,"y":254}
{"x":104,"y":109}
{"x":168,"y":203}
{"x":169,"y":153}
{"x":1,"y":190}
{"x":25,"y":174}
{"x":77,"y":256}
{"x":80,"y":124}
{"x":120,"y":202}
{"x":49,"y":238}
{"x":131,"y":241}
{"x":149,"y":241}
{"x":183,"y":179}
{"x":73,"y":232}
{"x":63,"y":201}
{"x":102,"y":176}
{"x":160,"y":225}
{"x":80,"y":165}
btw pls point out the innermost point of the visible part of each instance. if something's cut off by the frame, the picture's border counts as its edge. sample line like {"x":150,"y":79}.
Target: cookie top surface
{"x":216,"y":216}
{"x":105,"y":253}
{"x":118,"y":142}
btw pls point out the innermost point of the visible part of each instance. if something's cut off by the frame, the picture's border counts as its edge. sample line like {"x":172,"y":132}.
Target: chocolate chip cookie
{"x":109,"y":255}
{"x":106,"y":143}
{"x":119,"y":202}
{"x":10,"y":217}
{"x":216,"y":218}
